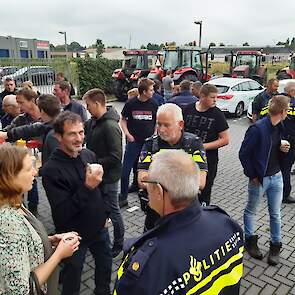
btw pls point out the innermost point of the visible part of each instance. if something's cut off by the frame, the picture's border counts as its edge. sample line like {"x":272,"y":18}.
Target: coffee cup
{"x":285,"y":142}
{"x":94,"y":167}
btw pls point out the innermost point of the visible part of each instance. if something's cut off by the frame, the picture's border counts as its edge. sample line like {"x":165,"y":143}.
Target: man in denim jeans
{"x":260,"y":157}
{"x":138,"y":122}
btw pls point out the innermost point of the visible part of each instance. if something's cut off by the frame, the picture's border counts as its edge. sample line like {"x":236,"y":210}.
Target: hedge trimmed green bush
{"x":96,"y":73}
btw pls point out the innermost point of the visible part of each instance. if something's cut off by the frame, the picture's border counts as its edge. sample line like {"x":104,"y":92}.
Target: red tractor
{"x":136,"y":64}
{"x":288,"y":72}
{"x":247,"y":64}
{"x":186,"y":63}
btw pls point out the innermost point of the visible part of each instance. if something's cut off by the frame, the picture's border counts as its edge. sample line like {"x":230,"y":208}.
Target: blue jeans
{"x":273,"y":188}
{"x":132,"y":151}
{"x":110,"y":194}
{"x":101,"y":252}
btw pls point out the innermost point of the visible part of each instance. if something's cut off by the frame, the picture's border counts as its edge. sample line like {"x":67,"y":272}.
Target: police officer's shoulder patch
{"x":214,"y":208}
{"x":141,"y":257}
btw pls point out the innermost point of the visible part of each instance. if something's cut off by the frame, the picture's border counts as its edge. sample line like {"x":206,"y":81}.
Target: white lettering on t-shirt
{"x":142,"y":115}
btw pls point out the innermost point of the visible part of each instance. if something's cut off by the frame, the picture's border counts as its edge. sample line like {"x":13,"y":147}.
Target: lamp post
{"x":66,"y":48}
{"x":200,"y":31}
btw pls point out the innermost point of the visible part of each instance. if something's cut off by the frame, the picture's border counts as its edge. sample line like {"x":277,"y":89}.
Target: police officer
{"x":260,"y":103}
{"x":289,"y":134}
{"x":193,"y":249}
{"x":170,"y":135}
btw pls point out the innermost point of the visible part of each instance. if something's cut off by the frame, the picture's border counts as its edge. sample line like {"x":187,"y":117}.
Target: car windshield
{"x":222,"y":88}
{"x":133,"y":62}
{"x":20,"y":71}
{"x":170,"y":60}
{"x":244,"y":59}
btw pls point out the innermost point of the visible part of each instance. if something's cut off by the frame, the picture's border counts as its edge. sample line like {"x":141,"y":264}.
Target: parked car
{"x":282,"y":84}
{"x":235,"y":94}
{"x":38,"y":75}
{"x":4,"y":71}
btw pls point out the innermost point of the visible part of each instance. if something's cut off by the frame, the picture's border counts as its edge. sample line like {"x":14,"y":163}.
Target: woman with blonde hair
{"x":27,"y":260}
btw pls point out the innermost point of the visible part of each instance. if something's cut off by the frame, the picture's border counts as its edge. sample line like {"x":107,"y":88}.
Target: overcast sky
{"x":258,"y":22}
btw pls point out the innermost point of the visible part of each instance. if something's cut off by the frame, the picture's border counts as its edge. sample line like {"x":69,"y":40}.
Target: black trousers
{"x":205,"y":196}
{"x":286,"y":166}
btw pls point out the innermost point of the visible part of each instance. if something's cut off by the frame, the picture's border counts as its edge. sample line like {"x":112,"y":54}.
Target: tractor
{"x":136,"y":64}
{"x":288,"y":72}
{"x":247,"y":64}
{"x":186,"y":63}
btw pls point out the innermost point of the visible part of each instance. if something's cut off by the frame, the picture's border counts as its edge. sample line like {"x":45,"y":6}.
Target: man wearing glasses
{"x":170,"y":135}
{"x":193,"y":249}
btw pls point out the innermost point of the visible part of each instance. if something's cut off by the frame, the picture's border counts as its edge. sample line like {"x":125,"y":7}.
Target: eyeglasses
{"x":155,"y":182}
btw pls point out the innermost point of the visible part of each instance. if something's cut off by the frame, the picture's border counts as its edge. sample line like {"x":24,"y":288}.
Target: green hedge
{"x":96,"y":73}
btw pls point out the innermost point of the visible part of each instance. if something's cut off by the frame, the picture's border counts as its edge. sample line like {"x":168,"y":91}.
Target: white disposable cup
{"x":285,"y":142}
{"x":69,"y":237}
{"x":94,"y":167}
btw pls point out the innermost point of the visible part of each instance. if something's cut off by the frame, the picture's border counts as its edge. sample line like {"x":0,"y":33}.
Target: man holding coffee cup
{"x":260,"y":157}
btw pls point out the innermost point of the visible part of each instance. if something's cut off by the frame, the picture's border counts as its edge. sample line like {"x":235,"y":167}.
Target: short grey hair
{"x":173,"y":108}
{"x":178,"y":173}
{"x":10,"y":99}
{"x":289,"y":86}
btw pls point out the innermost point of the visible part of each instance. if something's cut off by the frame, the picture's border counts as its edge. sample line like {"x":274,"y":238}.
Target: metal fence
{"x":41,"y":72}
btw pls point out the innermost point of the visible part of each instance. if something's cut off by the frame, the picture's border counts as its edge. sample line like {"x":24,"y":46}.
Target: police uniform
{"x":197,"y":250}
{"x":188,"y":142}
{"x":260,"y":104}
{"x":288,"y":158}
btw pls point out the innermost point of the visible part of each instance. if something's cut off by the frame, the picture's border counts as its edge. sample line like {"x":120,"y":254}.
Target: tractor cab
{"x":247,"y":64}
{"x":185,"y":63}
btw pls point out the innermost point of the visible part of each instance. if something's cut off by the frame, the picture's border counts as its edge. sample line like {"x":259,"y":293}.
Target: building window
{"x":24,"y":53}
{"x":4,"y":53}
{"x":40,"y":54}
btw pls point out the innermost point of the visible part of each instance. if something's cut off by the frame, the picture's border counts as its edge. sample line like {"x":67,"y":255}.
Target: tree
{"x":75,"y":46}
{"x":212,"y":44}
{"x":287,"y":42}
{"x":142,"y":47}
{"x":292,"y":44}
{"x":99,"y":47}
{"x":221,"y":44}
{"x":246,"y":44}
{"x":280,"y":43}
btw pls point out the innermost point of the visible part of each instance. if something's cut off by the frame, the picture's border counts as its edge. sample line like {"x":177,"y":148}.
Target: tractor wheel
{"x":239,"y":109}
{"x":283,"y":75}
{"x":119,"y":90}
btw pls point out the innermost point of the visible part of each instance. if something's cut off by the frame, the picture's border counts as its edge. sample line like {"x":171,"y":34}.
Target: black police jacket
{"x":198,"y":250}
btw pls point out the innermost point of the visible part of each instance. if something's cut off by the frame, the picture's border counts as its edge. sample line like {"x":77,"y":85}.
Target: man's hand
{"x":3,"y":135}
{"x":255,"y":181}
{"x":130,"y":138}
{"x":142,"y":175}
{"x":93,"y":178}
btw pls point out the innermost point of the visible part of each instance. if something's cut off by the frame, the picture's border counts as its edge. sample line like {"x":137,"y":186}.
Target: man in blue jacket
{"x":193,"y":249}
{"x":260,"y":157}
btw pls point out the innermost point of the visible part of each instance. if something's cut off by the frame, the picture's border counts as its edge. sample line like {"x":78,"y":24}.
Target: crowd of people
{"x":86,"y":177}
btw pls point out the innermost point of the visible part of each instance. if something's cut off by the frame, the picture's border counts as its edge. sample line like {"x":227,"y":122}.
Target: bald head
{"x":171,"y":109}
{"x":10,"y":105}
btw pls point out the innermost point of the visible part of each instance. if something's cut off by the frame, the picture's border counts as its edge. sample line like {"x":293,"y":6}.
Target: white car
{"x":282,"y":84}
{"x":235,"y":94}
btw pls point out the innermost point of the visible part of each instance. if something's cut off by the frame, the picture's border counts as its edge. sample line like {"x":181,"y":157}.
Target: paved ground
{"x":229,"y":192}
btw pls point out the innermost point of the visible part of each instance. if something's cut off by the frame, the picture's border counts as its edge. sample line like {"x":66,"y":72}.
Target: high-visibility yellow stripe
{"x":198,"y":159}
{"x":216,"y":272}
{"x":226,"y":280}
{"x":264,"y":111}
{"x":148,"y":159}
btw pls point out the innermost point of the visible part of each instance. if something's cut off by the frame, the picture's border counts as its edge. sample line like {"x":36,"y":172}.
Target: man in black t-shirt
{"x":138,"y":123}
{"x":207,"y":121}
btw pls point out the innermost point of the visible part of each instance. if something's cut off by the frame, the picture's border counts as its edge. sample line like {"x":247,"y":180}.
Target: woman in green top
{"x":23,"y":242}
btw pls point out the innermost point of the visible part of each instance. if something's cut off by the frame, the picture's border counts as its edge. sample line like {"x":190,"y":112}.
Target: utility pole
{"x":200,"y":31}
